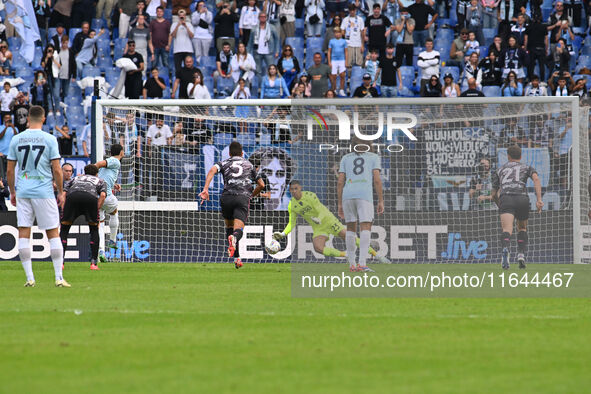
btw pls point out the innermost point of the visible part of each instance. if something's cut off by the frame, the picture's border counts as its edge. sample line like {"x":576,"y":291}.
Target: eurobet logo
{"x":393,"y":121}
{"x":455,"y":246}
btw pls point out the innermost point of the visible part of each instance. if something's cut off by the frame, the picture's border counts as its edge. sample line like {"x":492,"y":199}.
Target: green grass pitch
{"x":175,"y":328}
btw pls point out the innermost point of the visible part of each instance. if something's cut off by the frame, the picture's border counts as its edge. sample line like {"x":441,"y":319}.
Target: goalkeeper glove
{"x":316,"y":220}
{"x":278,"y":236}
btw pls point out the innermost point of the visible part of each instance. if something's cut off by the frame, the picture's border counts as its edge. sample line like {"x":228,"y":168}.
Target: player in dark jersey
{"x":239,"y":175}
{"x":85,"y":194}
{"x":510,"y":194}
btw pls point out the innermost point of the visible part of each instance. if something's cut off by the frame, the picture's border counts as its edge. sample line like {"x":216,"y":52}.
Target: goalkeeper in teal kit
{"x":323,"y":222}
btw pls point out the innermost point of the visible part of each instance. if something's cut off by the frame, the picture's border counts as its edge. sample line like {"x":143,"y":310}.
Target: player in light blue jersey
{"x":109,"y":172}
{"x":34,"y":159}
{"x":359,"y":173}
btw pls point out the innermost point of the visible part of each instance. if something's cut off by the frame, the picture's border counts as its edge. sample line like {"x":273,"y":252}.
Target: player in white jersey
{"x":109,"y":172}
{"x":35,"y":155}
{"x":358,"y":173}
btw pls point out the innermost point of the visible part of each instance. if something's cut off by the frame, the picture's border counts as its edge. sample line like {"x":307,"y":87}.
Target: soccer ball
{"x":272,"y":247}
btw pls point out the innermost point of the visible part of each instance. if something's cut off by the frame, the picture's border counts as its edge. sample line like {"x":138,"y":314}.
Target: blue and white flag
{"x":21,"y":15}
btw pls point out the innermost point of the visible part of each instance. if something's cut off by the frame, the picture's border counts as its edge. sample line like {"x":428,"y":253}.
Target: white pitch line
{"x":275,"y":314}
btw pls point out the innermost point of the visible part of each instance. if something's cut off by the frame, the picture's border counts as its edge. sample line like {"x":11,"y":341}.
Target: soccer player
{"x":84,"y":195}
{"x":357,"y":173}
{"x":239,"y":175}
{"x":510,"y":194}
{"x":323,"y":222}
{"x":37,"y":156}
{"x":109,"y":172}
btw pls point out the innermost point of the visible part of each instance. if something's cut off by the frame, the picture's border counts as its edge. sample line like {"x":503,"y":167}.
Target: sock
{"x":332,"y":252}
{"x":24,"y":251}
{"x":351,"y":247}
{"x":364,"y":247}
{"x":57,"y":256}
{"x":94,"y":242}
{"x":506,"y":240}
{"x":64,"y":231}
{"x":522,"y":242}
{"x":102,"y":235}
{"x":238,"y":233}
{"x":230,"y":231}
{"x":114,"y":226}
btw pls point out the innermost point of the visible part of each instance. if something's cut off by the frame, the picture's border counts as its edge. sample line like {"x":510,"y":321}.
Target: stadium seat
{"x":222,"y":139}
{"x":18,"y":61}
{"x":168,"y":14}
{"x":119,"y":46}
{"x":163,"y":73}
{"x":225,"y":87}
{"x":97,"y":24}
{"x":483,"y":52}
{"x":73,"y":32}
{"x":247,"y":139}
{"x":14,"y":43}
{"x":252,"y":128}
{"x":112,"y":75}
{"x":74,"y":90}
{"x":73,"y":101}
{"x":491,"y":91}
{"x":453,"y":70}
{"x":104,"y":62}
{"x":584,"y":61}
{"x":52,"y":31}
{"x":357,"y":71}
{"x":296,"y":43}
{"x":300,"y":27}
{"x":254,"y":87}
{"x":37,"y":59}
{"x":208,"y":82}
{"x":444,"y":34}
{"x":90,"y":71}
{"x":354,"y":83}
{"x":546,"y":11}
{"x":314,"y":44}
{"x":104,"y":42}
{"x":489,"y":35}
{"x":23,"y":72}
{"x":408,"y":76}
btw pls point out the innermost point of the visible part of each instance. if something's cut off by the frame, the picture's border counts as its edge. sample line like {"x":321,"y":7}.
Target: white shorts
{"x":338,"y":66}
{"x":110,"y":205}
{"x":43,"y":209}
{"x":358,"y":209}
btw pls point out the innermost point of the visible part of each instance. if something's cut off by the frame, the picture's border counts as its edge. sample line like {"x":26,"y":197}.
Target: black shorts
{"x":80,"y":203}
{"x":235,"y":207}
{"x":516,"y":205}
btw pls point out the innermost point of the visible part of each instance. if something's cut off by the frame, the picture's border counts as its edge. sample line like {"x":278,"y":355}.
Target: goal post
{"x":437,"y":207}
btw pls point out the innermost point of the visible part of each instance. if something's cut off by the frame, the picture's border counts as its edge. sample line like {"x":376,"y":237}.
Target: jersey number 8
{"x":358,"y":165}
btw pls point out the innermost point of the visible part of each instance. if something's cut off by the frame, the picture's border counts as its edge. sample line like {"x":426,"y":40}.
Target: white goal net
{"x":436,"y":189}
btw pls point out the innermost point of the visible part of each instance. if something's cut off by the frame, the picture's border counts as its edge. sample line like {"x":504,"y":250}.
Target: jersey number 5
{"x":27,"y":149}
{"x":239,"y":170}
